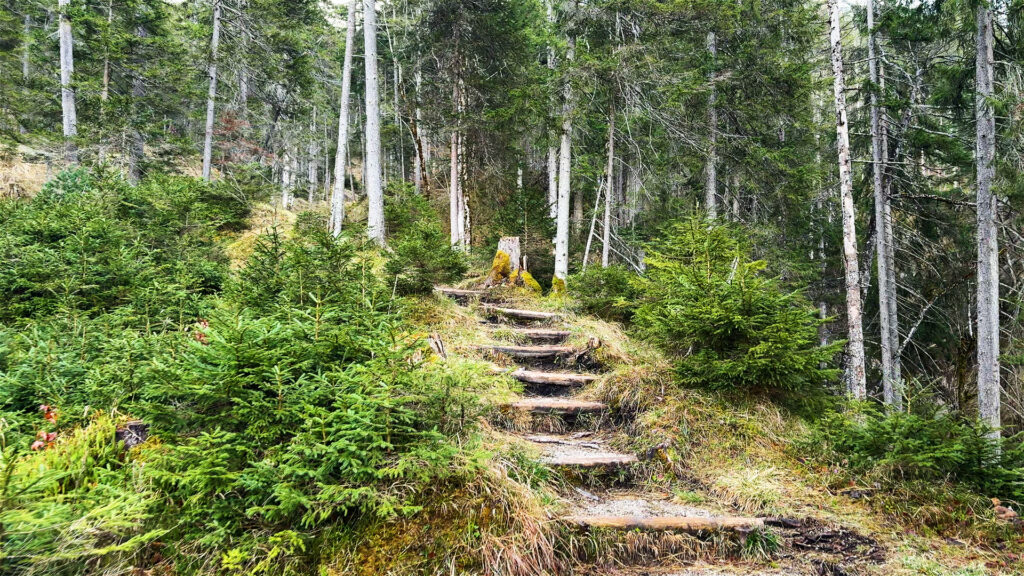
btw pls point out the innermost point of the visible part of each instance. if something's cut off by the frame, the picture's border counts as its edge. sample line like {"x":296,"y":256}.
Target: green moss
{"x":524,"y":278}
{"x":500,"y":268}
{"x":557,"y":285}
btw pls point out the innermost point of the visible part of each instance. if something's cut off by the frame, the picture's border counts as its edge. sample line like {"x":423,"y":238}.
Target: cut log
{"x":522,"y":314}
{"x":532,"y":352}
{"x":602,"y":460}
{"x":558,"y":406}
{"x":545,"y":335}
{"x":460,"y":293}
{"x":553,"y":378}
{"x":510,"y":245}
{"x":669,"y":523}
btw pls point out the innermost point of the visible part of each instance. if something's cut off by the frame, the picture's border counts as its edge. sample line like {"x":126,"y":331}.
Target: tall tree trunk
{"x":417,"y":128}
{"x":564,"y":167}
{"x":988,"y":249}
{"x":454,"y":177}
{"x":67,"y":92}
{"x":374,"y":187}
{"x":137,"y":147}
{"x":891,"y":388}
{"x":552,"y":149}
{"x":553,"y":181}
{"x":855,"y":373}
{"x":26,"y":51}
{"x":338,"y":194}
{"x":313,"y":153}
{"x":609,"y":190}
{"x":711,"y":164}
{"x":211,"y":96}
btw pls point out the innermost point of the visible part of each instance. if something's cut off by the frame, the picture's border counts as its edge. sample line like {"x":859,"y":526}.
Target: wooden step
{"x":553,"y":378}
{"x":596,"y":460}
{"x":461,"y":294}
{"x":558,"y":406}
{"x":531,"y":352}
{"x":669,"y":523}
{"x":522,"y":314}
{"x":545,"y":335}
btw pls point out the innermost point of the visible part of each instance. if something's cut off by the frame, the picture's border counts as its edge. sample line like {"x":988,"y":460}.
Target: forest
{"x":511,"y":287}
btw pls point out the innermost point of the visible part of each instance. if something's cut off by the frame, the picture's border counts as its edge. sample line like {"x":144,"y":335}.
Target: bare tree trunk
{"x":417,"y":127}
{"x":374,"y":188}
{"x":552,"y":149}
{"x":988,"y":249}
{"x":564,"y":167}
{"x":211,"y":97}
{"x":137,"y":148}
{"x":454,"y":196}
{"x":67,"y":92}
{"x":855,"y":373}
{"x":312,"y":169}
{"x":26,"y":51}
{"x":891,"y":388}
{"x":609,"y":190}
{"x":711,"y":164}
{"x":338,"y":194}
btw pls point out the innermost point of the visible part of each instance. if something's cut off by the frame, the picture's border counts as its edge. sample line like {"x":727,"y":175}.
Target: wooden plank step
{"x":462,"y":294}
{"x":523,"y":314}
{"x":547,"y":335}
{"x":558,"y":406}
{"x":596,"y":460}
{"x":553,"y":378}
{"x":668,"y":523}
{"x":532,"y":352}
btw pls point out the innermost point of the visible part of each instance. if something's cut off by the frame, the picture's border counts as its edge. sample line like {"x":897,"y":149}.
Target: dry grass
{"x":21,"y":179}
{"x":263,"y":219}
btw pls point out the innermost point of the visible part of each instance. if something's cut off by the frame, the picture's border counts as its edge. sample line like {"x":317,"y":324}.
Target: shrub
{"x":928,"y":444}
{"x":421,"y":255}
{"x":728,"y":325}
{"x":608,"y":293}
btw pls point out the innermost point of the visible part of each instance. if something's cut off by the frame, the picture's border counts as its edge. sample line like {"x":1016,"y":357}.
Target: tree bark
{"x":338,"y":195}
{"x":855,"y":373}
{"x":211,"y":97}
{"x":137,"y":147}
{"x":609,"y":190}
{"x":454,"y":176}
{"x":313,"y":153}
{"x":711,"y":163}
{"x":552,"y":149}
{"x":67,"y":92}
{"x":891,"y":383}
{"x":988,"y":250}
{"x":564,"y":166}
{"x":373,"y":184}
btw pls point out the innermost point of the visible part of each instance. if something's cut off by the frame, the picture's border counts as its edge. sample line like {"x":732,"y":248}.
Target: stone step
{"x":553,"y":378}
{"x":543,"y":335}
{"x":669,"y":523}
{"x":531,"y":352}
{"x":558,"y":406}
{"x":515,"y":314}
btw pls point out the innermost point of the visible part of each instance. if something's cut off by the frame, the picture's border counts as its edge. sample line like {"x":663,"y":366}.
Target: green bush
{"x":421,"y":254}
{"x":928,"y":444}
{"x":728,"y":324}
{"x":609,"y":293}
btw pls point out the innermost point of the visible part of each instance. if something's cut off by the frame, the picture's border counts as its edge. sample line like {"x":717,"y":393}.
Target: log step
{"x":531,"y":352}
{"x":553,"y":378}
{"x":595,"y":460}
{"x":461,"y":294}
{"x":688,"y":524}
{"x":522,"y":314}
{"x":558,"y":406}
{"x":545,"y":335}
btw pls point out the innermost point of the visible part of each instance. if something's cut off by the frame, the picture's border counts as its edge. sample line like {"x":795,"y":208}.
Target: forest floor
{"x":648,"y":478}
